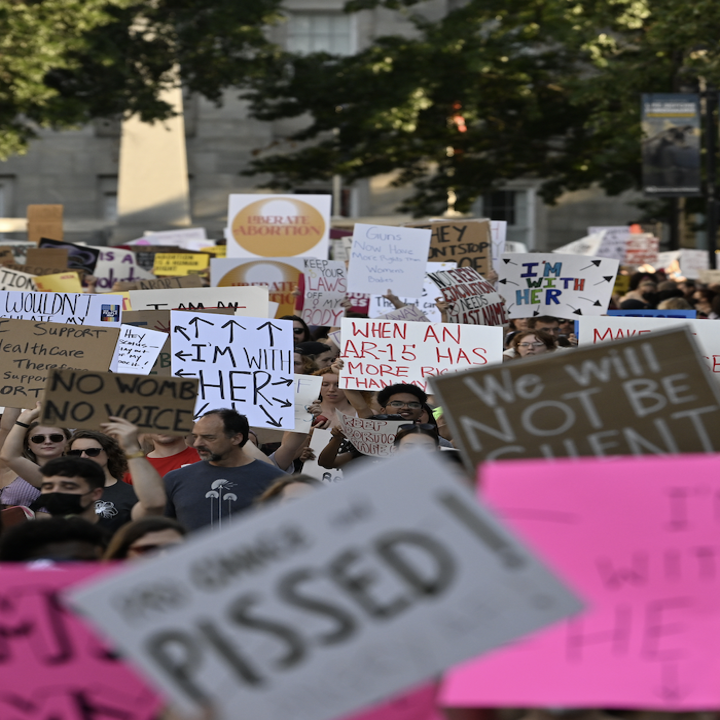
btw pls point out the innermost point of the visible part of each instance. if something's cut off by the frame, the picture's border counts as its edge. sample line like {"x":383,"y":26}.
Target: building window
{"x":500,"y":205}
{"x":515,"y":207}
{"x":309,"y":32}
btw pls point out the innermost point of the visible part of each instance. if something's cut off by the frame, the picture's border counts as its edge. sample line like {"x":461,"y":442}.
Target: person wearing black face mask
{"x":71,"y":486}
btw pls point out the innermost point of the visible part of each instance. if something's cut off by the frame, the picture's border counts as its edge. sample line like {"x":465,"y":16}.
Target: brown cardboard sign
{"x":82,"y":399}
{"x":7,"y":256}
{"x":47,"y":257}
{"x":44,"y":221}
{"x":187,"y":281}
{"x":649,"y":394}
{"x":29,"y":350}
{"x":467,"y":242}
{"x":39,"y":271}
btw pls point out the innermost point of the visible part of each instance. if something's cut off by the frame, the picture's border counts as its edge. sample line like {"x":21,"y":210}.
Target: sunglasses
{"x":55,"y":437}
{"x":297,"y":331}
{"x":90,"y":452}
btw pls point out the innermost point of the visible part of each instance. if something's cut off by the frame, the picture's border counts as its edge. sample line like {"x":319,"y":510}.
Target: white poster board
{"x":705,"y":332}
{"x":325,"y":287}
{"x":318,"y":442}
{"x":359,"y":592}
{"x":614,"y":241}
{"x":117,"y":265}
{"x":587,"y":245}
{"x":378,"y":353}
{"x":250,"y":301}
{"x":136,"y":350}
{"x":16,"y":280}
{"x":77,"y":308}
{"x":386,"y":258}
{"x":567,"y":286}
{"x":370,"y":437}
{"x":307,"y":391}
{"x":408,"y":313}
{"x":244,"y":363}
{"x":498,"y":234}
{"x":278,"y":226}
{"x":471,"y":299}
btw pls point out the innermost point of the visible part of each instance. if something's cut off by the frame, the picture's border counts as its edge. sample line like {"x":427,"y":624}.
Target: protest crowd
{"x":294,"y":393}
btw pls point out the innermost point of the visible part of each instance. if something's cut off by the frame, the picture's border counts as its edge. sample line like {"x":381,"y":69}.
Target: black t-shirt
{"x":114,"y":507}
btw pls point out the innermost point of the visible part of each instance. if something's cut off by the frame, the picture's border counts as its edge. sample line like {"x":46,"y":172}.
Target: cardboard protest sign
{"x":164,"y":283}
{"x":564,"y":286}
{"x":384,"y":257}
{"x":710,"y":277}
{"x":471,"y":299}
{"x":44,"y":221}
{"x":180,"y":263}
{"x":29,"y":350}
{"x":82,"y":399}
{"x":370,"y":437}
{"x":244,"y":363}
{"x":380,"y":305}
{"x":324,"y":286}
{"x":408,"y":313}
{"x":307,"y":391}
{"x":447,"y":582}
{"x":67,"y":282}
{"x":250,"y":301}
{"x":7,"y":257}
{"x":645,"y":395}
{"x":641,"y":248}
{"x":80,"y":257}
{"x":38,"y":271}
{"x":137,"y":350}
{"x":76,"y":308}
{"x":379,"y":353}
{"x":117,"y":265}
{"x":278,"y":226}
{"x":15,"y":280}
{"x":467,"y":242}
{"x":318,"y":442}
{"x":47,"y":257}
{"x":705,"y":333}
{"x":53,"y":665}
{"x":279,"y":275}
{"x":636,"y":539}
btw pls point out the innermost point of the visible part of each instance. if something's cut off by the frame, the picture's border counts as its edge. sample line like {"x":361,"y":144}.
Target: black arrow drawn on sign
{"x":670,"y":689}
{"x":231,"y":324}
{"x":596,"y":263}
{"x":271,"y":420}
{"x":270,"y":327}
{"x":182,"y":373}
{"x":195,"y":322}
{"x":283,"y":403}
{"x":182,"y":355}
{"x":606,"y":278}
{"x":283,"y":381}
{"x":597,"y":303}
{"x":508,"y":261}
{"x":505,"y":281}
{"x":536,"y":313}
{"x":181,"y":330}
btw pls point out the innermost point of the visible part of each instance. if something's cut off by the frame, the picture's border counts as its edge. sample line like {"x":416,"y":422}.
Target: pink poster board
{"x":639,"y":540}
{"x":52,"y":666}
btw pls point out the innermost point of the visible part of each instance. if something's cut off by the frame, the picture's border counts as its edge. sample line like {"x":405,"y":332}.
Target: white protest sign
{"x":278,"y":226}
{"x":471,"y":299}
{"x":136,"y":350}
{"x":512,"y":246}
{"x":354,"y":590}
{"x":117,"y":265}
{"x":250,"y":301}
{"x":307,"y":391}
{"x":318,"y":442}
{"x":335,"y":337}
{"x":325,"y":287}
{"x":244,"y":363}
{"x":187,"y":238}
{"x":16,"y":280}
{"x":78,"y":308}
{"x":705,"y":332}
{"x":588,"y":245}
{"x":498,"y":234}
{"x":370,"y":437}
{"x":379,"y":353}
{"x":380,"y":306}
{"x":408,"y":313}
{"x":566,"y":286}
{"x":384,"y":257}
{"x":641,"y":248}
{"x":683,"y":263}
{"x":614,"y":240}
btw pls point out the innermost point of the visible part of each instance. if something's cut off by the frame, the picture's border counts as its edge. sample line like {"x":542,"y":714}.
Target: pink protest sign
{"x":637,"y":538}
{"x":417,"y":704}
{"x":52,"y":666}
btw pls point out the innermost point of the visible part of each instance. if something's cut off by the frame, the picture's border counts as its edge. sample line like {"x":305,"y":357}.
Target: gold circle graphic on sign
{"x":278,"y":227}
{"x":280,"y":280}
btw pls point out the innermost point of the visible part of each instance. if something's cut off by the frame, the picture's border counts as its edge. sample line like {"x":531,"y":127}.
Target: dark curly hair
{"x":117,"y":462}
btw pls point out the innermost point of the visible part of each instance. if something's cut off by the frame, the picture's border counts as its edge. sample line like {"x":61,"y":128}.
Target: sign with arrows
{"x":637,"y":539}
{"x":240,"y":362}
{"x":566,"y":286}
{"x":251,"y":301}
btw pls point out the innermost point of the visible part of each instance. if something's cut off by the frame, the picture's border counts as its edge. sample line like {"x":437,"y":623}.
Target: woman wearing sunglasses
{"x":27,"y":448}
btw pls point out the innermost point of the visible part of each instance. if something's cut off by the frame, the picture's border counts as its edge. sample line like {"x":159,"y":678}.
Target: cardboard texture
{"x":30,"y":350}
{"x":37,"y":270}
{"x":165,"y":283}
{"x":80,"y":257}
{"x":467,"y":242}
{"x":443,"y":581}
{"x":47,"y":257}
{"x":7,"y":256}
{"x":45,"y":221}
{"x":80,"y":399}
{"x":645,"y":395}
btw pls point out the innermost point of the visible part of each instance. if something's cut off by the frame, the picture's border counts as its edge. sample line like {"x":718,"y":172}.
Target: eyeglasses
{"x":298,"y":331}
{"x":55,"y":437}
{"x":422,"y":426}
{"x":90,"y":452}
{"x":529,"y":345}
{"x":399,"y":404}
